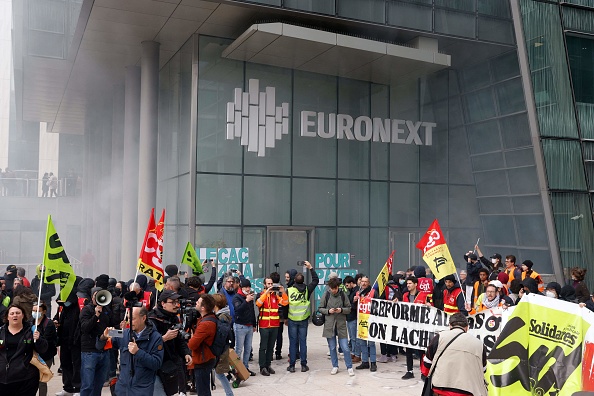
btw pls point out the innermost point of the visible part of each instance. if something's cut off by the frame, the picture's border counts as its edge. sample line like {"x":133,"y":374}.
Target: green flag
{"x":56,"y":263}
{"x":191,"y":258}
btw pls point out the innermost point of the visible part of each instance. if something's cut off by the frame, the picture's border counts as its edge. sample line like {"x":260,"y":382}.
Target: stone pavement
{"x":317,"y":381}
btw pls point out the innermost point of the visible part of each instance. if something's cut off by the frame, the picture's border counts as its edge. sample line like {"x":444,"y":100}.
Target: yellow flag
{"x":56,"y":263}
{"x":382,"y":277}
{"x":191,"y":258}
{"x":436,"y":253}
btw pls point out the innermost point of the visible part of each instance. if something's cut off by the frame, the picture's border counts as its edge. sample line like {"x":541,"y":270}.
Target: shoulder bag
{"x":428,"y":386}
{"x":45,"y":374}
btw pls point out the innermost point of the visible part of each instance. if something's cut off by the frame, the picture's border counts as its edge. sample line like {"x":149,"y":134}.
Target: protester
{"x":283,"y":311}
{"x":17,"y":375}
{"x":268,"y":303}
{"x":567,"y":293}
{"x":94,"y":319}
{"x":413,"y":295}
{"x":577,"y":281}
{"x":335,"y":305}
{"x":351,"y":319}
{"x":527,"y":271}
{"x":66,"y":321}
{"x":472,"y":275}
{"x":368,"y":349}
{"x":494,"y":264}
{"x":245,"y":322}
{"x":47,"y":290}
{"x":553,"y":290}
{"x":480,"y":286}
{"x":389,"y":352}
{"x":47,"y":331}
{"x":141,"y":355}
{"x":9,"y":277}
{"x":202,"y":357}
{"x":489,"y":300}
{"x":24,"y":298}
{"x":222,"y":312}
{"x":21,"y":275}
{"x":456,"y":360}
{"x":453,"y":298}
{"x":299,"y":311}
{"x":511,"y":270}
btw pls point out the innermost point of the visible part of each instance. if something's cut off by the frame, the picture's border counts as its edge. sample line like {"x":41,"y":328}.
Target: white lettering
{"x":344,"y":127}
{"x":413,"y":129}
{"x":306,"y":123}
{"x":381,"y":130}
{"x":331,"y":126}
{"x":368,"y":129}
{"x":396,"y":131}
{"x":429,"y":132}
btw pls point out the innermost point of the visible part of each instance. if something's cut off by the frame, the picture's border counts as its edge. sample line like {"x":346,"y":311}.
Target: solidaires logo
{"x":254,"y":118}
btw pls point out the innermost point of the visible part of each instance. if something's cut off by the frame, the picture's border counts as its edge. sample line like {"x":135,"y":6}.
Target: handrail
{"x":34,"y":187}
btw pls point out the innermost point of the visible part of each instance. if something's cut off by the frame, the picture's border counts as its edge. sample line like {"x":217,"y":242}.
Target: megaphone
{"x":103,"y":298}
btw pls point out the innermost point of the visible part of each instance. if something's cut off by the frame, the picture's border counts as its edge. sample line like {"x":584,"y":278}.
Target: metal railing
{"x":27,"y":187}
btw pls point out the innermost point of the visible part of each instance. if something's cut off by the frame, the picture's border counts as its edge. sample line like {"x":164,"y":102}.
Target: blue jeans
{"x":298,"y":335}
{"x":202,"y":379}
{"x":226,"y":385}
{"x":367,"y":351}
{"x":93,"y":371}
{"x":344,"y":345}
{"x":352,"y":328}
{"x":243,"y":342}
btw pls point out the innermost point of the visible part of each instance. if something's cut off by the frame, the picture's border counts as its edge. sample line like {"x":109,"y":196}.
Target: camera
{"x":234,"y":270}
{"x":301,"y":263}
{"x":180,"y":331}
{"x":275,"y":287}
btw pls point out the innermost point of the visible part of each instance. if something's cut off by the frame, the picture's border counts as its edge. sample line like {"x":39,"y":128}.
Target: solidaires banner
{"x":414,"y":325}
{"x":539,"y":352}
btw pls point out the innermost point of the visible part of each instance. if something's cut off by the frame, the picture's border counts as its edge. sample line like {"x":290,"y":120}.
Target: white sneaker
{"x":328,"y":353}
{"x":351,"y":372}
{"x":334,"y":370}
{"x":64,"y":393}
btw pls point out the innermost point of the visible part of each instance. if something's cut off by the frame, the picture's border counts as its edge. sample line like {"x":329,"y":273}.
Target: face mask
{"x":402,"y":281}
{"x":494,"y":261}
{"x":67,"y":303}
{"x":118,"y":292}
{"x":36,"y":315}
{"x":551,"y":294}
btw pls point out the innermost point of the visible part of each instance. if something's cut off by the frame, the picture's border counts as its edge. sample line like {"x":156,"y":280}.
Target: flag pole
{"x":40,"y":285}
{"x":475,"y":245}
{"x":460,"y":283}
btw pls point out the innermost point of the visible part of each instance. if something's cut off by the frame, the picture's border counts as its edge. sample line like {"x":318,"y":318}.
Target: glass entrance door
{"x":404,"y":243}
{"x":286,"y":246}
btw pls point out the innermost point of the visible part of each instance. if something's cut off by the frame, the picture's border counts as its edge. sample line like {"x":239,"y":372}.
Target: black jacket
{"x":47,"y":330}
{"x":19,"y":368}
{"x":92,"y":327}
{"x":47,"y":290}
{"x":175,"y":349}
{"x":245,"y":313}
{"x":353,"y":314}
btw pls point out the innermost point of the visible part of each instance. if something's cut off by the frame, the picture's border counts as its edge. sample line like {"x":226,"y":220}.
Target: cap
{"x":496,"y":256}
{"x":168,"y":294}
{"x":11,"y":268}
{"x":449,"y":278}
{"x":528,"y":263}
{"x":472,"y":256}
{"x":245,"y":283}
{"x":496,"y":283}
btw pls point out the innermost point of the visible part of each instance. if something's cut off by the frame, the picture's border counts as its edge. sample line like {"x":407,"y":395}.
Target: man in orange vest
{"x":453,"y":298}
{"x":268,"y":303}
{"x":511,"y":270}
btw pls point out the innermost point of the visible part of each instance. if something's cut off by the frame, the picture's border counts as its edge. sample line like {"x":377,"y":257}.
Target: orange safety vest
{"x":450,"y":300}
{"x":536,"y":276}
{"x":268,"y":304}
{"x":482,"y":307}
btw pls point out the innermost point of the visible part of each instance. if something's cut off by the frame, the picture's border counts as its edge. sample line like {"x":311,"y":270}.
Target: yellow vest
{"x":298,"y":304}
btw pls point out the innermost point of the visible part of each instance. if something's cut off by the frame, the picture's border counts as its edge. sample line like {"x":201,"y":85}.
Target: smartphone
{"x":233,"y":270}
{"x":116,"y":333}
{"x":301,"y":263}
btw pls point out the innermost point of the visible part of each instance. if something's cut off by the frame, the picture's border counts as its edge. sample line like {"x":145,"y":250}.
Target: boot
{"x":373,"y":367}
{"x":363,"y":366}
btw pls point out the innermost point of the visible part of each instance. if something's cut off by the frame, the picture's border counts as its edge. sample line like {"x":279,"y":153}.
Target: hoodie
{"x":531,"y":285}
{"x":292,"y":273}
{"x":567,"y":293}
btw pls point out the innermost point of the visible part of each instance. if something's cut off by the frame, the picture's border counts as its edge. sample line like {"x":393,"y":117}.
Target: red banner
{"x":151,"y":254}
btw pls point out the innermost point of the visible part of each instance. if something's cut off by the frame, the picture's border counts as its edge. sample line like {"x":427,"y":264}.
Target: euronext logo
{"x":254,"y":118}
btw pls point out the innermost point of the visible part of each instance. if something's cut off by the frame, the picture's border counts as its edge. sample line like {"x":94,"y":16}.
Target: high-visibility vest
{"x":450,"y":301}
{"x":298,"y":304}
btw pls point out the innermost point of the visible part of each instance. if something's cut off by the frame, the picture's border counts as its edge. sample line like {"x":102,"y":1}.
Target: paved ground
{"x":318,"y":380}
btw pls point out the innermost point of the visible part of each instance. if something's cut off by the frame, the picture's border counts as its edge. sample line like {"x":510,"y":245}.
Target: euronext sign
{"x":363,"y":128}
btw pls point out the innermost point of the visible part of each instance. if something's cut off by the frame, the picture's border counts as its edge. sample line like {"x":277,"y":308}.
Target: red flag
{"x":435,"y":252}
{"x":151,"y":253}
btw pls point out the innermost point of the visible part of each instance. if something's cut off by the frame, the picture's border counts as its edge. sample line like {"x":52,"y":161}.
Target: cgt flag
{"x":436,"y":253}
{"x":191,"y":259}
{"x":151,"y":253}
{"x":56,"y":263}
{"x":382,"y":277}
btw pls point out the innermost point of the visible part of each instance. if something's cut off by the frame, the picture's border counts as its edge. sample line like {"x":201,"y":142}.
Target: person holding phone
{"x":299,"y":312}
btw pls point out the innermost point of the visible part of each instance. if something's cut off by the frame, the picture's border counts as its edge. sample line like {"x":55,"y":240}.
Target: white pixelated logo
{"x":254,"y":118}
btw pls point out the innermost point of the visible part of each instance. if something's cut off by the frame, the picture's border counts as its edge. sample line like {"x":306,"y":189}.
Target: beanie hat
{"x":171,"y":270}
{"x":528,"y":263}
{"x":449,"y":278}
{"x":102,"y":281}
{"x":142,"y":281}
{"x":245,"y":283}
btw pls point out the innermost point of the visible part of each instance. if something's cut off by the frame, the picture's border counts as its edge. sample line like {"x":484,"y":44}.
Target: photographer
{"x":269,"y":302}
{"x":245,"y":321}
{"x":170,"y":377}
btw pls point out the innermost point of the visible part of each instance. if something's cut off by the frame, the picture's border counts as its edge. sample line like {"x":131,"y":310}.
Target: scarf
{"x":491,"y":304}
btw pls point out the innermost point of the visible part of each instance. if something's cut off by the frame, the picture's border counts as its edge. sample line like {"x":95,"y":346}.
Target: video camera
{"x":180,"y":331}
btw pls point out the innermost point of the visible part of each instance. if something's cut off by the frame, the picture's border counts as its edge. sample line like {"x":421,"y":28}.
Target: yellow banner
{"x":56,"y":263}
{"x":363,"y":310}
{"x":539,"y":351}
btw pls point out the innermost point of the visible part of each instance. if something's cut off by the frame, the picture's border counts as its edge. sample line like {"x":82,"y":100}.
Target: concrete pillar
{"x":147,"y":164}
{"x":129,"y":253}
{"x":116,"y":185}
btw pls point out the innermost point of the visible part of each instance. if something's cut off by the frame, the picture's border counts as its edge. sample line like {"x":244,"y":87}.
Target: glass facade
{"x":477,"y":178}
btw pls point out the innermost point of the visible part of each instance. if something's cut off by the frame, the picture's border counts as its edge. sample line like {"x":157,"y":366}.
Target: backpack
{"x":222,"y":337}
